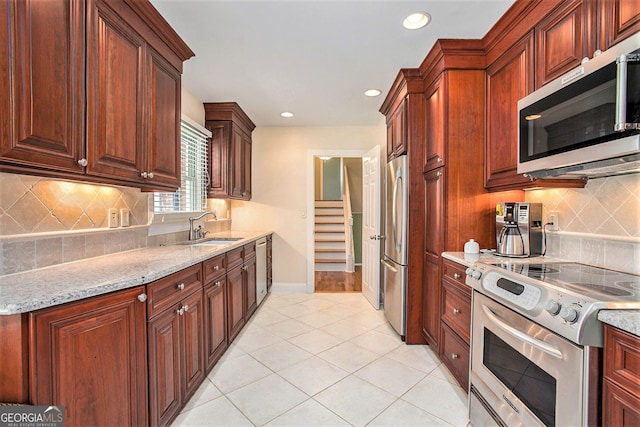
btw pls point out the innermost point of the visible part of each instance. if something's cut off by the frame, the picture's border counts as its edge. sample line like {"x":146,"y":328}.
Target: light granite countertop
{"x":627,"y":320}
{"x":62,"y":283}
{"x":490,"y":258}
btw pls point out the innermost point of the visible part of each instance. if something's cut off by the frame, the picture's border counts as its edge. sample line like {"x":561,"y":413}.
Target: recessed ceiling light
{"x":416,"y":20}
{"x":286,"y":114}
{"x":372,"y":92}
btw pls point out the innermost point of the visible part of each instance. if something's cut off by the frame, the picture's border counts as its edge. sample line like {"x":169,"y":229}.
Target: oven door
{"x":521,"y":373}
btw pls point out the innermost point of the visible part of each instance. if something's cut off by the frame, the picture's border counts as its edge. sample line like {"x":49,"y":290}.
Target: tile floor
{"x":324,"y":359}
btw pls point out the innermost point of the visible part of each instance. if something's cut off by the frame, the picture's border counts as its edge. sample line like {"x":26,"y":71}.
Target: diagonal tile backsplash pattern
{"x":607,"y":206}
{"x":30,"y":204}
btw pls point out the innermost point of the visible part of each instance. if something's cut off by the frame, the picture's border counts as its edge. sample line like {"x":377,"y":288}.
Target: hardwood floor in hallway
{"x":338,"y":281}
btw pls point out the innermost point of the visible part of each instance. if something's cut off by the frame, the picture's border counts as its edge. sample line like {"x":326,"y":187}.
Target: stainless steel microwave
{"x":585,"y":123}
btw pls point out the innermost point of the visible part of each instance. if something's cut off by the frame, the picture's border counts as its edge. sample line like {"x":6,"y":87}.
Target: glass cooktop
{"x":579,"y":277}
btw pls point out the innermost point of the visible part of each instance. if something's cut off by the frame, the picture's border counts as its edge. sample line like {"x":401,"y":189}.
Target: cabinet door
{"x":236,"y":163}
{"x":163,"y":137}
{"x":42,"y":83}
{"x":509,"y":78}
{"x":235,"y":302}
{"x":433,"y":243}
{"x":192,"y":335}
{"x":435,"y":128}
{"x":218,"y":158}
{"x":563,"y":38}
{"x":215,"y":318}
{"x":399,"y":138}
{"x":390,"y":138}
{"x":115,"y":95}
{"x":619,"y":19}
{"x":165,"y":388}
{"x":246,"y":168}
{"x":90,"y":357}
{"x":250,"y":286}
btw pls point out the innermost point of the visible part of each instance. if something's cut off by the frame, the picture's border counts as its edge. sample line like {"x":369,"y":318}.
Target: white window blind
{"x":192,"y":194}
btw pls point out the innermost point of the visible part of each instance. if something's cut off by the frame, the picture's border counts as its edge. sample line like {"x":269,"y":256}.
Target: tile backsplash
{"x":598,"y":224}
{"x":45,"y":222}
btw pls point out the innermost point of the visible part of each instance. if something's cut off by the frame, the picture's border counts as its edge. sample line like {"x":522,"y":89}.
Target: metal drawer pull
{"x":456,"y":276}
{"x":454,"y":356}
{"x":218,"y":284}
{"x":186,"y":308}
{"x":142,"y":297}
{"x":216,"y":268}
{"x":180,"y":311}
{"x":180,"y":286}
{"x":456,"y":311}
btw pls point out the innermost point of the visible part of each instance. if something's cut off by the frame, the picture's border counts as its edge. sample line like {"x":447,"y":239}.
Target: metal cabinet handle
{"x":456,"y":311}
{"x":438,"y":173}
{"x":216,"y":268}
{"x":142,"y":297}
{"x":150,"y":175}
{"x":180,"y":286}
{"x":439,"y":160}
{"x":180,"y":311}
{"x":456,"y":276}
{"x":218,"y":284}
{"x":454,"y":355}
{"x":244,"y":267}
{"x":83,"y":162}
{"x":185,"y":308}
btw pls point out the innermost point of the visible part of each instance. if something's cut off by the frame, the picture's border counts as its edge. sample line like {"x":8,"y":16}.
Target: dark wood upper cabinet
{"x":563,"y":39}
{"x":618,"y":19}
{"x":91,"y":91}
{"x":509,"y":78}
{"x":229,"y":150}
{"x":42,"y":59}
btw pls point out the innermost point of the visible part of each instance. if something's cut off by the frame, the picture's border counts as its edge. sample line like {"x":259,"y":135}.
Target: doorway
{"x":328,"y":171}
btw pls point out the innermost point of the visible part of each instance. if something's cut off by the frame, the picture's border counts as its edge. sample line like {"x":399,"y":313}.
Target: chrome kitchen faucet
{"x":199,"y":233}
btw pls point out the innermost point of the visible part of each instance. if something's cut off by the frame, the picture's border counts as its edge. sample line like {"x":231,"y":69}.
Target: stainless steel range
{"x":536,"y":340}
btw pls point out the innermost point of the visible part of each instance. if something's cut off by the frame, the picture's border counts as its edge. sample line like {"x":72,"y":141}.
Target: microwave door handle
{"x":534,"y":342}
{"x":621,"y":94}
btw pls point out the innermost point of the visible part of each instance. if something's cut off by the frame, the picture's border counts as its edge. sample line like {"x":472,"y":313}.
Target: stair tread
{"x":326,"y":250}
{"x":330,"y":240}
{"x":326,"y":261}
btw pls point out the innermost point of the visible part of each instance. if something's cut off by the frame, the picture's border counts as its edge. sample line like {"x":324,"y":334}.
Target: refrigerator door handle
{"x":389,"y":265}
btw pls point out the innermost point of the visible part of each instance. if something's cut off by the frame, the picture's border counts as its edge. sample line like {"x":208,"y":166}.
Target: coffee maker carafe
{"x":518,"y":229}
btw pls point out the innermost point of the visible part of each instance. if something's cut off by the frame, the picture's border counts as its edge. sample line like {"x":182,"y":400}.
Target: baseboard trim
{"x":289,"y":287}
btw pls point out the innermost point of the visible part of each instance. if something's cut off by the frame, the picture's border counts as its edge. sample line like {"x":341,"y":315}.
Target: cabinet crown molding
{"x":228,"y":111}
{"x":408,"y":80}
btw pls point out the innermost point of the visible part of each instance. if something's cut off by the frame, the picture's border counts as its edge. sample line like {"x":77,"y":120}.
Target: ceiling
{"x":314,"y":58}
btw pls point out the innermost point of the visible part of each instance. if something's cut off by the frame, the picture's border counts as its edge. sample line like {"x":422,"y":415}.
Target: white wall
{"x":192,"y":107}
{"x":280,"y":159}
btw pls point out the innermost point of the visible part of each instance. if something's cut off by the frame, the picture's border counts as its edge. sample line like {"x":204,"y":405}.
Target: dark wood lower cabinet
{"x":621,"y":393}
{"x":235,"y":301}
{"x":90,"y":357}
{"x":215,"y":318}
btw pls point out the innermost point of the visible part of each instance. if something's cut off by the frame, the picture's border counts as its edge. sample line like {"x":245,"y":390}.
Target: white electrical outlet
{"x":553,"y":220}
{"x":112,"y":216}
{"x":124,"y":217}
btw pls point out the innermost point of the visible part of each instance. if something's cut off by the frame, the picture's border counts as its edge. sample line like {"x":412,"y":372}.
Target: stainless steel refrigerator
{"x":395,"y":257}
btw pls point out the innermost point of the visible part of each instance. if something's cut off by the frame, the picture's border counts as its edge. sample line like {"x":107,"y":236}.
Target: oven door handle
{"x":540,"y":345}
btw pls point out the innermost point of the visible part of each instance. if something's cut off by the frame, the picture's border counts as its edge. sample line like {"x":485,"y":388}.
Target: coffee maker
{"x":518,"y":229}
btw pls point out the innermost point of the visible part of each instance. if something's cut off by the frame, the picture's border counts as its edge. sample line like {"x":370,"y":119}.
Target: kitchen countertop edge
{"x":59,"y":284}
{"x":626,"y":320}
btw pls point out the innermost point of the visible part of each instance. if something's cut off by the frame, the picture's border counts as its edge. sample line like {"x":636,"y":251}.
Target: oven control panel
{"x":523,"y":295}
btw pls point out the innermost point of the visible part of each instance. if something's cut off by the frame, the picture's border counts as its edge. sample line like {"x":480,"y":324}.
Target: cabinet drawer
{"x":454,"y":271}
{"x":622,"y":361}
{"x":456,"y":309}
{"x":455,"y":354}
{"x":250,"y":250}
{"x":235,"y":257}
{"x":620,"y":408}
{"x":214,"y":267}
{"x":169,"y":290}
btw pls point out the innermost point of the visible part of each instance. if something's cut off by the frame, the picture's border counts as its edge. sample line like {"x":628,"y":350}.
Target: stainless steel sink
{"x":214,"y":241}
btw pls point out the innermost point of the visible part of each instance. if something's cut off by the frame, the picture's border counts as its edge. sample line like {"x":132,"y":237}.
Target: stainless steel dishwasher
{"x":261,"y":269}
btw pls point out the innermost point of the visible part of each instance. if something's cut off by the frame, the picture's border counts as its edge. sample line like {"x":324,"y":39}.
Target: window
{"x":192,"y":194}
